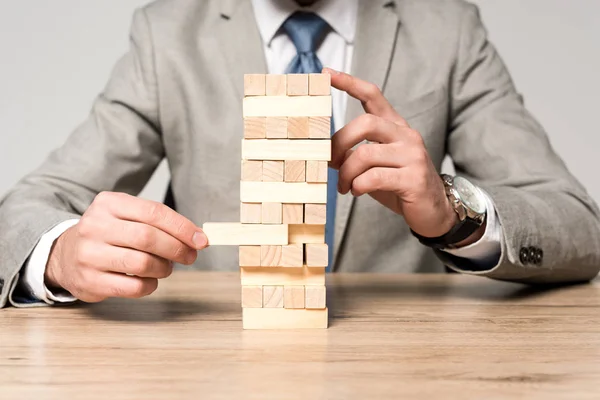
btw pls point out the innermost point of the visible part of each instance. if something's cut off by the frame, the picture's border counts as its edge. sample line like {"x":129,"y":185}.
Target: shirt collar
{"x":341,"y":15}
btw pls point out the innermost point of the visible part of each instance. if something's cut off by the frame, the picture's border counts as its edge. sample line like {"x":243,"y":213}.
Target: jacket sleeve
{"x":550,"y":225}
{"x":117,"y":148}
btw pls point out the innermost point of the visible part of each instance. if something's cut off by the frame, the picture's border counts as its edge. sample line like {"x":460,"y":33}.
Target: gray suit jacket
{"x":177,"y":94}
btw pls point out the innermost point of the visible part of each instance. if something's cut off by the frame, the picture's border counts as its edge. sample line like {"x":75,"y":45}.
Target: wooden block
{"x":255,"y":128}
{"x":251,"y":213}
{"x":272,"y":296}
{"x":252,"y":170}
{"x":292,"y":255}
{"x":297,"y":85}
{"x":272,"y":213}
{"x":315,"y":297}
{"x":293,"y":297}
{"x":298,"y":128}
{"x":295,"y":171}
{"x":316,"y":255}
{"x":282,"y":276}
{"x":270,"y":256}
{"x":277,"y":127}
{"x":283,"y":192}
{"x":276,"y":85}
{"x":315,"y":214}
{"x":250,"y":256}
{"x":273,"y":171}
{"x":237,"y":234}
{"x":316,"y":171}
{"x":293,"y":213}
{"x":287,"y":106}
{"x":252,"y":296}
{"x":319,"y":84}
{"x":319,"y":127}
{"x":306,"y":234}
{"x":282,"y":149}
{"x":281,"y":318}
{"x":254,"y":85}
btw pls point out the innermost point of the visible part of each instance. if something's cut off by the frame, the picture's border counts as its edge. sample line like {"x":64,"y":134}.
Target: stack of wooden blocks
{"x":283,"y":193}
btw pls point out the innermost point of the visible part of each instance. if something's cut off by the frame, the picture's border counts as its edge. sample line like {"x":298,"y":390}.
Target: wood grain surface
{"x":390,"y":337}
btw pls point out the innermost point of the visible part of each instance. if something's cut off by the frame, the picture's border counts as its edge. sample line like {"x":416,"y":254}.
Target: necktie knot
{"x":306,"y":30}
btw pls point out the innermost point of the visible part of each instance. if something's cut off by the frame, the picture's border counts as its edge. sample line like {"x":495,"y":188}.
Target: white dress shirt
{"x":336,"y":51}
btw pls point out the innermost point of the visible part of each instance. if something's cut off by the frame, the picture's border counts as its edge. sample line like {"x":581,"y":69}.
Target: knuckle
{"x":145,"y":238}
{"x":421,"y":156}
{"x":363,"y":153}
{"x":84,"y":254}
{"x":136,"y":263}
{"x":368,"y":122}
{"x":372,"y":90}
{"x":180,"y":252}
{"x":103,"y":198}
{"x":156,"y":212}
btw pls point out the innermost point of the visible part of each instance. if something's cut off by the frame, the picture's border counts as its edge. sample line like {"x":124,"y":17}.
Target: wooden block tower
{"x":283,"y":192}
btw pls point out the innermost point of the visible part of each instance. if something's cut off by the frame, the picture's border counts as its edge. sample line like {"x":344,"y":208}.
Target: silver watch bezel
{"x":458,"y":205}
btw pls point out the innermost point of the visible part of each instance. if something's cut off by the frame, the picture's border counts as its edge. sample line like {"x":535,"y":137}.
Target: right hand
{"x":121,"y":247}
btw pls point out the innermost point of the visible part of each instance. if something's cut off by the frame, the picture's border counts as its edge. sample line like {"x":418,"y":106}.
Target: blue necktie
{"x":307,"y":31}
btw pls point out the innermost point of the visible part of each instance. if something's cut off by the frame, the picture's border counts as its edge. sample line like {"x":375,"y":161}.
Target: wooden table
{"x":391,"y":336}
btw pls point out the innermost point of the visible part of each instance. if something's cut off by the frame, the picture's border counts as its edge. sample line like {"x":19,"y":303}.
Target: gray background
{"x":55,"y":56}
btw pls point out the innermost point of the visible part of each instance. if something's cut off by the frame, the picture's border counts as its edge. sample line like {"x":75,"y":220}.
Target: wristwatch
{"x":469,"y":203}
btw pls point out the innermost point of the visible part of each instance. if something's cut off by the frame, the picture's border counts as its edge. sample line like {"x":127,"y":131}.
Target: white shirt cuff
{"x":488,"y":248}
{"x":32,"y":278}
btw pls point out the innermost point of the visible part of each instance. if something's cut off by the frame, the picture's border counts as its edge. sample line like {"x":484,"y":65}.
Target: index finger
{"x":367,"y":93}
{"x":160,"y":216}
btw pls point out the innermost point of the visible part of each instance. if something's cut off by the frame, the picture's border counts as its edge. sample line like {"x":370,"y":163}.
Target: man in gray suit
{"x":425,"y":83}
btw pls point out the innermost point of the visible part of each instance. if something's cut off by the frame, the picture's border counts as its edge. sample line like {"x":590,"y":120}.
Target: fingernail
{"x":200,"y":240}
{"x":330,"y":71}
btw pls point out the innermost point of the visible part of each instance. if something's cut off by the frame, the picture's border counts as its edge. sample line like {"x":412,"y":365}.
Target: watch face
{"x":470,"y":195}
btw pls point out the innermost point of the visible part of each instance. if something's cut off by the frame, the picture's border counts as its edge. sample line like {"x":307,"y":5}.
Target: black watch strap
{"x":457,"y":234}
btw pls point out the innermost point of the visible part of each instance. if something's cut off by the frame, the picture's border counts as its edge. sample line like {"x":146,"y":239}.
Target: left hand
{"x":394,"y":167}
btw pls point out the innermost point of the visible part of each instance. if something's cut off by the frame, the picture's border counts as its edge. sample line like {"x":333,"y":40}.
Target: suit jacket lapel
{"x":376,"y":34}
{"x":240,"y":42}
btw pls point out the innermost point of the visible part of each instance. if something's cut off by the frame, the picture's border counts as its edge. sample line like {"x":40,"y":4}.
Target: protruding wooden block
{"x":292,"y":255}
{"x":250,"y":256}
{"x":316,"y":255}
{"x":255,"y":128}
{"x":316,"y":171}
{"x":315,"y":297}
{"x":252,"y":170}
{"x":273,"y":171}
{"x":270,"y":256}
{"x":277,"y":127}
{"x":254,"y":85}
{"x":287,"y":106}
{"x":306,"y":234}
{"x":295,"y":171}
{"x":293,"y":213}
{"x":276,"y":85}
{"x":236,"y":234}
{"x":315,"y":214}
{"x":297,"y":84}
{"x":319,"y":84}
{"x":283,"y":192}
{"x":251,"y":213}
{"x":298,"y":128}
{"x":282,"y":276}
{"x":272,"y":213}
{"x":282,"y":149}
{"x":252,"y":296}
{"x":281,"y":318}
{"x":293,"y":296}
{"x":319,"y":127}
{"x":272,"y":296}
